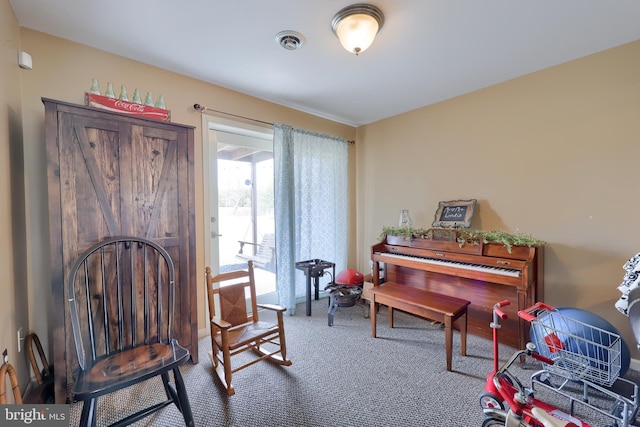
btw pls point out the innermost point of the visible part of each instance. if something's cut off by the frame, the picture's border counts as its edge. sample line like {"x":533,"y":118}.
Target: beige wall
{"x":553,"y":154}
{"x":63,"y":70}
{"x":14,"y":312}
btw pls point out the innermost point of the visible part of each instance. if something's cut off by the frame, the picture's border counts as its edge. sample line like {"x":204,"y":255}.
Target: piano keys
{"x":483,"y":275}
{"x":448,"y":264}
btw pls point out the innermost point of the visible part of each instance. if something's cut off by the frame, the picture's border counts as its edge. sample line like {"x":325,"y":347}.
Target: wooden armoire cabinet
{"x":111,"y":174}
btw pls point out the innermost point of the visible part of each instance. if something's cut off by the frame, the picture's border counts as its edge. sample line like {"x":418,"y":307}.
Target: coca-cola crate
{"x":126,"y":107}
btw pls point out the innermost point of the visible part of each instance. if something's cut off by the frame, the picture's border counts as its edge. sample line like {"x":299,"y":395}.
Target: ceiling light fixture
{"x":357,"y":25}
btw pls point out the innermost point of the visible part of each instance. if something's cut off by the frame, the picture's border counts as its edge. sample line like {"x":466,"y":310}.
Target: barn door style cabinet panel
{"x":115,"y":175}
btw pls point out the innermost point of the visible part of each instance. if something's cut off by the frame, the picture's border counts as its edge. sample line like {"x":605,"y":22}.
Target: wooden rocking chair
{"x":237,"y":329}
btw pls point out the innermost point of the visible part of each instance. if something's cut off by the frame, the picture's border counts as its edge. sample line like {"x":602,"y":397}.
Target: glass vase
{"x":405,"y":219}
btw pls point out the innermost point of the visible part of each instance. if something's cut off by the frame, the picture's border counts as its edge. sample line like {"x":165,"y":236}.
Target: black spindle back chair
{"x":121,"y":299}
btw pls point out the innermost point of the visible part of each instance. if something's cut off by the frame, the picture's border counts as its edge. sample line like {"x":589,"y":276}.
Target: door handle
{"x":215,"y":234}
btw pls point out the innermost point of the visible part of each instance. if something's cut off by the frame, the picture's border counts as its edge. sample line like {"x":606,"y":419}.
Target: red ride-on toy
{"x":506,"y":402}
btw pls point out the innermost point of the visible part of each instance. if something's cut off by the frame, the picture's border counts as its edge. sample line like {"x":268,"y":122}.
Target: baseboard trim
{"x":634,"y":364}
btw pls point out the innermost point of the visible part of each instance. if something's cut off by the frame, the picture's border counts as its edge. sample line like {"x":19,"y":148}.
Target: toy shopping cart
{"x":585,"y":354}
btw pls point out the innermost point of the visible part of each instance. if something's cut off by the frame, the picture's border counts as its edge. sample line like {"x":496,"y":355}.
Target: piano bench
{"x":426,"y":304}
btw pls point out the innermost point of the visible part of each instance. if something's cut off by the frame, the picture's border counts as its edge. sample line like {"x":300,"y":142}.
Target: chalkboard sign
{"x":454,"y":214}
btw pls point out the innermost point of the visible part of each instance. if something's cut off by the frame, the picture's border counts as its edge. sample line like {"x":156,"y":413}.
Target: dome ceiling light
{"x":357,"y":25}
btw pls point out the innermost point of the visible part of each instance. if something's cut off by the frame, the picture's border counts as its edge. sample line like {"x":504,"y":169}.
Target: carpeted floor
{"x":340,"y":377}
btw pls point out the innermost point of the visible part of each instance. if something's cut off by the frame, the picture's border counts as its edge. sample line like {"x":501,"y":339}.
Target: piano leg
{"x":390,"y":309}
{"x":373,"y":306}
{"x":463,"y":333}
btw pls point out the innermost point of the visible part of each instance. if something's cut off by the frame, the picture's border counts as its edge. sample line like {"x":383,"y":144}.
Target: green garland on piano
{"x":498,"y":236}
{"x":406,"y":232}
{"x":464,"y":237}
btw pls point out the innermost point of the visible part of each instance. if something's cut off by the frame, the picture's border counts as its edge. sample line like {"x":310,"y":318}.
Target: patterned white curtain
{"x":311,"y":192}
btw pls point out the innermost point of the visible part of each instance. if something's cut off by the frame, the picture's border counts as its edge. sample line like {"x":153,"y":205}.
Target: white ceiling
{"x":426,"y":52}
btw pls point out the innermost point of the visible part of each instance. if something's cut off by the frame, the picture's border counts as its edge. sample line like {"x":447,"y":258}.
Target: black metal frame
{"x":314,"y":268}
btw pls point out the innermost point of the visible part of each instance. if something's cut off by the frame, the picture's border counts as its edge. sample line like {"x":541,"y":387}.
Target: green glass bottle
{"x":149,"y":99}
{"x":136,"y":97}
{"x":109,"y":93}
{"x":95,"y":87}
{"x":123,"y":94}
{"x":160,"y":102}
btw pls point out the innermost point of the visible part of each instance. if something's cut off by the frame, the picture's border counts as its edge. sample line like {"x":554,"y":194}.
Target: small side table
{"x":315,"y":268}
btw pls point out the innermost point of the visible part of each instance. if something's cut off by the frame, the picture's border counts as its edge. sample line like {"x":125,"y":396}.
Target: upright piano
{"x":482,"y":273}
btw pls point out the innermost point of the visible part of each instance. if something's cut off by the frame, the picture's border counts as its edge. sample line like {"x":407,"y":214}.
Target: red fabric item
{"x":554,"y":343}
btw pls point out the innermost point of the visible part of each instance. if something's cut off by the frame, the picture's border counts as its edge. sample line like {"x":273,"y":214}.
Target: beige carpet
{"x":340,"y":377}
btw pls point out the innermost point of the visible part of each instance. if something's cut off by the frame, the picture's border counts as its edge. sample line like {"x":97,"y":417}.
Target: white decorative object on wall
{"x":24,"y":60}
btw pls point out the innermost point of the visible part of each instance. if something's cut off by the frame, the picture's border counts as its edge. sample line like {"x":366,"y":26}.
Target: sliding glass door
{"x":241,"y":207}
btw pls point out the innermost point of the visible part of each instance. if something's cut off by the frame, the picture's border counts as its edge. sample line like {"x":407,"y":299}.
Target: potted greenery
{"x":432,"y":238}
{"x":494,"y":242}
{"x":497,"y":242}
{"x":398,"y":235}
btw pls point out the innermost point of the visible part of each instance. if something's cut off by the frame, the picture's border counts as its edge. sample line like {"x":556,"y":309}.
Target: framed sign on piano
{"x":454,"y":214}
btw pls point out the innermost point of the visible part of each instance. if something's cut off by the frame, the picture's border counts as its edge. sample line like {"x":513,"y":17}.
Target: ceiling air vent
{"x":290,"y":40}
